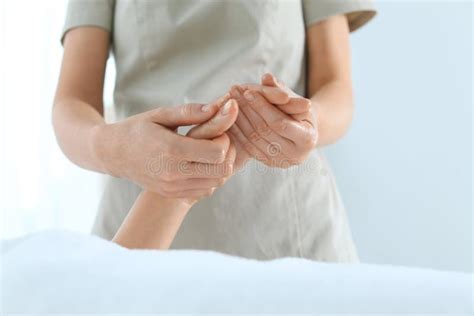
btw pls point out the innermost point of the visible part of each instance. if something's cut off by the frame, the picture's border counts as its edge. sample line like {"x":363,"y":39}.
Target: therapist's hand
{"x":146,"y":149}
{"x":275,"y":125}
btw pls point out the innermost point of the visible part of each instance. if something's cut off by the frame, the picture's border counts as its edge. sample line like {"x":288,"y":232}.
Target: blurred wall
{"x":405,"y":168}
{"x":39,"y":187}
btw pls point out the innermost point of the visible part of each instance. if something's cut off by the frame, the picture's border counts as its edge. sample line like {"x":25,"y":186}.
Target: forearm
{"x":153,"y":222}
{"x":333,"y":107}
{"x":75,"y":125}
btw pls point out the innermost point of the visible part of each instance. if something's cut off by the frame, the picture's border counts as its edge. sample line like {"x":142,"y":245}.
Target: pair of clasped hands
{"x":266,"y":121}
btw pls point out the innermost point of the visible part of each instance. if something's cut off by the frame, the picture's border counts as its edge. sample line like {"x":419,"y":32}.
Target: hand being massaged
{"x":275,"y":125}
{"x":267,"y":122}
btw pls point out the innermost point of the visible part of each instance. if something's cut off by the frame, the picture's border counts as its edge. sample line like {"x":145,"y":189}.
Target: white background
{"x":405,"y":169}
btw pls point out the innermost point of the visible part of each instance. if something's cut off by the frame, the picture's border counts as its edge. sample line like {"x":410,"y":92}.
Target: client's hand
{"x":274,"y":125}
{"x":153,"y":221}
{"x":146,"y":150}
{"x":216,"y":127}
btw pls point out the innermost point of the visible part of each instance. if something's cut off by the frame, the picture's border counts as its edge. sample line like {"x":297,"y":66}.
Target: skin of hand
{"x":176,"y":165}
{"x":275,"y":125}
{"x":78,"y":105}
{"x":275,"y":92}
{"x":154,"y":220}
{"x":328,"y":83}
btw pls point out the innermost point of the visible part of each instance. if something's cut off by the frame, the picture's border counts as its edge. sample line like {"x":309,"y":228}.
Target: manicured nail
{"x":206,"y":107}
{"x":225,"y":109}
{"x":249,"y":95}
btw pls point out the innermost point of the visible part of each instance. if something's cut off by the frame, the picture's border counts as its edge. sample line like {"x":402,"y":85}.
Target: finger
{"x":218,"y":124}
{"x":271,"y":114}
{"x":274,"y":95}
{"x":269,"y":80}
{"x":250,"y":148}
{"x":242,"y":157}
{"x":246,"y":130}
{"x":280,"y":123}
{"x":230,"y":161}
{"x":189,"y":149}
{"x":295,"y":106}
{"x":185,"y":114}
{"x":231,"y":158}
{"x":305,"y":117}
{"x":262,"y":136}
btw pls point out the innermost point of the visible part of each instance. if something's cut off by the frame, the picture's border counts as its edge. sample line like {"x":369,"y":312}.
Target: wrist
{"x":158,"y":202}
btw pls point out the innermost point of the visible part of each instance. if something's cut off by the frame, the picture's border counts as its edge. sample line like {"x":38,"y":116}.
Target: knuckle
{"x":263,"y":129}
{"x":186,"y":110}
{"x":235,"y":91}
{"x":281,"y":126}
{"x":254,"y":136}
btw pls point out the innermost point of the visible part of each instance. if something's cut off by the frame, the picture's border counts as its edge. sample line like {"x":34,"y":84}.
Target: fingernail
{"x":206,"y":107}
{"x":249,"y":95}
{"x":225,"y":109}
{"x":234,"y":92}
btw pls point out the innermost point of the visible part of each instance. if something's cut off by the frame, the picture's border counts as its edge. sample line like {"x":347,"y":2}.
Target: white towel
{"x":68,"y":272}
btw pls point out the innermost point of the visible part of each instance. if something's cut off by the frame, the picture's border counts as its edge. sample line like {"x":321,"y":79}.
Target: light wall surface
{"x":405,"y":168}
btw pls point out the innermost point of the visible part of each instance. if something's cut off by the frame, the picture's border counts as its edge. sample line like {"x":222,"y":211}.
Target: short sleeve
{"x":358,"y":12}
{"x":98,"y":13}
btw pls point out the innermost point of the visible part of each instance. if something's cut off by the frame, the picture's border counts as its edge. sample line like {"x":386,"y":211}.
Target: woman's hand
{"x":154,"y":220}
{"x":274,"y":125}
{"x":146,"y":149}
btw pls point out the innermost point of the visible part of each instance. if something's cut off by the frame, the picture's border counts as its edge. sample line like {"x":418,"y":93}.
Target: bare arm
{"x":128,"y":148}
{"x":152,"y":223}
{"x":78,"y":105}
{"x":329,"y":77}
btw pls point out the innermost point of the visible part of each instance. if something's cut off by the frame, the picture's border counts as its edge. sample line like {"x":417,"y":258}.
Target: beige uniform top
{"x":169,"y":52}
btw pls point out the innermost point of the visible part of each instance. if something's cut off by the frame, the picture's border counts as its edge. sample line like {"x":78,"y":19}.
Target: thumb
{"x":218,"y":124}
{"x":185,"y":114}
{"x":269,"y":80}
